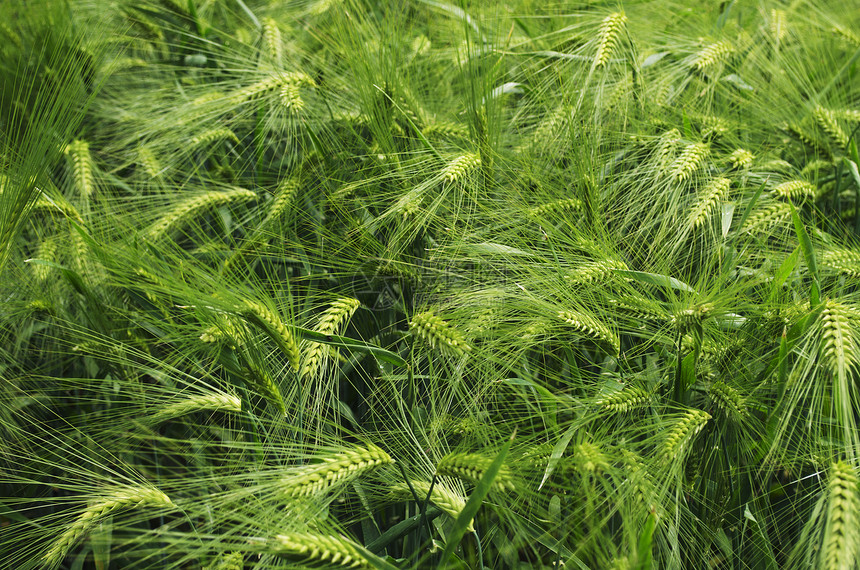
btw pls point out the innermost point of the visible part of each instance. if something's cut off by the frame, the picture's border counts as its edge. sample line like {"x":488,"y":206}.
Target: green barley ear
{"x":471,"y":467}
{"x":838,"y":345}
{"x":610,"y":30}
{"x":458,"y":168}
{"x":688,"y":162}
{"x":272,"y":46}
{"x":120,"y":499}
{"x":624,"y":400}
{"x":47,"y":251}
{"x":843,"y":261}
{"x":741,"y":158}
{"x":334,"y":470}
{"x":715,"y":192}
{"x":270,"y":323}
{"x":213,"y":135}
{"x":438,"y":334}
{"x":711,"y":55}
{"x":270,"y":84}
{"x":215,"y":402}
{"x":185,"y":211}
{"x":225,"y":561}
{"x":146,"y":159}
{"x":590,"y":327}
{"x":81,"y":163}
{"x":778,"y":25}
{"x":728,"y":400}
{"x":682,"y":434}
{"x":316,"y":550}
{"x":330,"y":323}
{"x":795,"y":190}
{"x":443,"y":497}
{"x":767,"y":216}
{"x":594,"y":272}
{"x":264,"y":385}
{"x":841,"y":544}
{"x":826,"y":119}
{"x":559,"y":207}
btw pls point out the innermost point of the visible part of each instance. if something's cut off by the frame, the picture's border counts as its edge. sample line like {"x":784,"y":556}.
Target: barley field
{"x":429,"y":284}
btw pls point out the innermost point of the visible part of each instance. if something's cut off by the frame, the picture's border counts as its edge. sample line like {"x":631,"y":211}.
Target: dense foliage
{"x":421,"y":284}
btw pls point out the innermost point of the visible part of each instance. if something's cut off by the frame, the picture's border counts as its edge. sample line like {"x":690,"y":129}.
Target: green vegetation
{"x":427,"y":284}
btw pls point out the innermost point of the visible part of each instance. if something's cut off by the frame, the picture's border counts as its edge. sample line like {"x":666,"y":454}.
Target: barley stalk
{"x":716,"y":191}
{"x":712,"y":55}
{"x":330,"y":323}
{"x":122,"y":498}
{"x":841,"y":545}
{"x":82,"y":167}
{"x":320,"y":550}
{"x":186,"y":210}
{"x":443,"y":497}
{"x":471,"y":467}
{"x":268,"y":321}
{"x":610,"y":30}
{"x":590,"y":327}
{"x":438,"y":334}
{"x":335,"y":469}
{"x":683,"y":432}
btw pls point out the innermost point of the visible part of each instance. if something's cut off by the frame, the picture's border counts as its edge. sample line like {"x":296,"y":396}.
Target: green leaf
{"x":809,"y":256}
{"x":557,"y":451}
{"x":476,"y":499}
{"x":645,"y":546}
{"x":351,"y":344}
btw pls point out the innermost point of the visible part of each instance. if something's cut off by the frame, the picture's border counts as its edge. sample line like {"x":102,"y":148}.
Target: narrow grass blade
{"x":655,"y":279}
{"x":351,"y":344}
{"x":809,"y":256}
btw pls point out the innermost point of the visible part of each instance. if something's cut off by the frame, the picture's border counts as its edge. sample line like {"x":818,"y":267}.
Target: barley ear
{"x":438,"y":334}
{"x":682,"y":433}
{"x":318,"y":550}
{"x":272,"y":40}
{"x":183,"y":212}
{"x":335,"y":469}
{"x":82,"y":167}
{"x":841,"y":544}
{"x":471,"y":467}
{"x":270,"y":323}
{"x":610,"y":30}
{"x":330,"y":323}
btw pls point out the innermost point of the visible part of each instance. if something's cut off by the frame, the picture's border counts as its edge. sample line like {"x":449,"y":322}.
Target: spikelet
{"x":82,"y":167}
{"x":624,"y":400}
{"x":767,"y":217}
{"x":847,"y":114}
{"x":640,"y":308}
{"x":272,"y":46}
{"x":590,"y":327}
{"x":741,"y":158}
{"x":335,"y":469}
{"x":712,"y":55}
{"x":557,"y":207}
{"x":269,"y":322}
{"x":683,"y":432}
{"x":794,"y":190}
{"x":728,"y":400}
{"x":438,"y":334}
{"x":225,"y":561}
{"x":610,"y":30}
{"x":778,"y":25}
{"x":213,"y":135}
{"x":320,"y":551}
{"x":121,"y":498}
{"x":594,"y":272}
{"x":460,"y":167}
{"x":827,"y":121}
{"x":443,"y":497}
{"x":841,"y":545}
{"x":813,"y":166}
{"x":844,"y":261}
{"x":330,"y":323}
{"x":446,"y":130}
{"x":471,"y":467}
{"x":688,"y":162}
{"x":846,"y":35}
{"x":716,"y":191}
{"x":186,"y":210}
{"x":228,"y":331}
{"x":838,"y":345}
{"x":202,"y":402}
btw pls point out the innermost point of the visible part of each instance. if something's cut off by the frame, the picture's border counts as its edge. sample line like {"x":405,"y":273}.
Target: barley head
{"x":610,"y":30}
{"x":270,"y":323}
{"x":334,"y":470}
{"x":318,"y":550}
{"x":590,"y":327}
{"x":841,"y":545}
{"x":471,"y":467}
{"x":458,"y":168}
{"x":683,"y":432}
{"x":711,"y":55}
{"x":438,"y":334}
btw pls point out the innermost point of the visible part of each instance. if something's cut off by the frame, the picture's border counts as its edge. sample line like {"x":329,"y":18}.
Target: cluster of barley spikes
{"x":352,"y":284}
